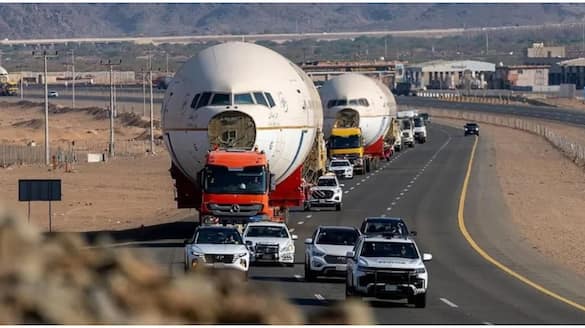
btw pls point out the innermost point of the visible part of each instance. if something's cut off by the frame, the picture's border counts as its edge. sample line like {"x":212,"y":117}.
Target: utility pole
{"x":386,"y":48}
{"x":111,"y":65}
{"x":73,"y":77}
{"x":45,"y":55}
{"x":167,"y":57}
{"x":115,"y":106}
{"x":143,"y":92}
{"x":151,"y":105}
{"x":487,"y":48}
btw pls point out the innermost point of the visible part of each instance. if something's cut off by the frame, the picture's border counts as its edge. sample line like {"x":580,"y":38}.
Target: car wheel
{"x":420,"y":300}
{"x":349,"y":292}
{"x":309,"y":274}
{"x":338,"y":207}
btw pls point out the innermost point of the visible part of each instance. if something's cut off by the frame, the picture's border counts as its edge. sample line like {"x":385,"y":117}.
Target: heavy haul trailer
{"x":358,"y":113}
{"x":243,"y":126}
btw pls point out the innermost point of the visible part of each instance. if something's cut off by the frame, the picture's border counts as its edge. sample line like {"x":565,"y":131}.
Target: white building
{"x":443,"y":74}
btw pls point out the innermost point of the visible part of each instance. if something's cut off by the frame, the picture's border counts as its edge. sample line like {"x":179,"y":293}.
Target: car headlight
{"x":196,"y":253}
{"x":241,"y":255}
{"x":348,"y":170}
{"x":420,"y":270}
{"x":317,"y":253}
{"x":287,"y":248}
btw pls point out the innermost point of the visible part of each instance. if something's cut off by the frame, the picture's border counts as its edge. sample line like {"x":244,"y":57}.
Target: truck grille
{"x":395,"y":277}
{"x":219,"y":258}
{"x":234,"y":209}
{"x":335,"y":259}
{"x":405,"y":134}
{"x":322,"y":194}
{"x":266,"y":249}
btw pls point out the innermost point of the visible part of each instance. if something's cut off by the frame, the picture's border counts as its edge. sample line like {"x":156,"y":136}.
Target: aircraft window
{"x":194,"y":102}
{"x":260,"y":99}
{"x":353,"y":102}
{"x":331,"y":103}
{"x":270,"y":100}
{"x":341,"y":102}
{"x":364,"y":102}
{"x":221,"y":99}
{"x":243,"y":98}
{"x":204,"y":100}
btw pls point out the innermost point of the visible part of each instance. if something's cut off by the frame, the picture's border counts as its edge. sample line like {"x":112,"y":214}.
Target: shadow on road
{"x":308,"y":302}
{"x":165,"y":231}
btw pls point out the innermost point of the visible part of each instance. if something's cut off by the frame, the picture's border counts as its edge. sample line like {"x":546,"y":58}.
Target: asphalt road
{"x":539,"y":112}
{"x":422,"y":185}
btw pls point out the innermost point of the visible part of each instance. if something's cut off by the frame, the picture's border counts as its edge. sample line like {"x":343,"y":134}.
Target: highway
{"x":422,"y":185}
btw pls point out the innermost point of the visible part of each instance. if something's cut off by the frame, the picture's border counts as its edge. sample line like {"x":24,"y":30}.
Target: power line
{"x":111,"y":65}
{"x":45,"y":55}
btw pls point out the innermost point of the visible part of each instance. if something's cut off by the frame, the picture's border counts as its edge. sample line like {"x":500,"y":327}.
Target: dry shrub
{"x":58,"y":279}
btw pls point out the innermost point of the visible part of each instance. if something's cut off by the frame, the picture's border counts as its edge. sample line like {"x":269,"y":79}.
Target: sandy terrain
{"x":118,"y":194}
{"x":575,"y":104}
{"x":544,"y":192}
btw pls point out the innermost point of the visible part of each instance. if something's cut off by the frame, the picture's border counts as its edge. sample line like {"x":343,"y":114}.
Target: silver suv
{"x":325,"y":251}
{"x":387,"y":267}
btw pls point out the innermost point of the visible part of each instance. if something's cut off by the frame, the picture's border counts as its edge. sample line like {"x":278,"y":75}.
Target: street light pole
{"x":151,"y":106}
{"x":111,"y":65}
{"x":73,"y":80}
{"x":46,"y":55}
{"x":143,"y":93}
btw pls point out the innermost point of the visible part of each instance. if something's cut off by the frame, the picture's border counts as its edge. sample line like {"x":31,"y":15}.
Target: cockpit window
{"x":363,"y":102}
{"x":353,"y":102}
{"x":341,"y":102}
{"x":243,"y":98}
{"x":260,"y":99}
{"x":204,"y":99}
{"x":221,"y":99}
{"x":194,"y":102}
{"x":330,"y":103}
{"x":270,"y":100}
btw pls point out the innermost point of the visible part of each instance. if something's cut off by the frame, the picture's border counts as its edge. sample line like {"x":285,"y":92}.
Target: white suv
{"x":341,"y":168}
{"x":327,"y":193}
{"x":420,"y":130}
{"x":325,"y":251}
{"x":387,"y":267}
{"x":217,"y":247}
{"x":270,"y":242}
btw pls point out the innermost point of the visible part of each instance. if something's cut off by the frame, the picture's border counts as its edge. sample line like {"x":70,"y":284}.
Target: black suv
{"x":385,"y":226}
{"x":471,"y":128}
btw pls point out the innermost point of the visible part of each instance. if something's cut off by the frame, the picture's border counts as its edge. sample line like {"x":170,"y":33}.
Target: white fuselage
{"x":374,"y":117}
{"x":285,"y":131}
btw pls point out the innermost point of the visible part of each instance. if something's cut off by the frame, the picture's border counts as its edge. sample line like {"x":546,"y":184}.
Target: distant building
{"x":386,"y":71}
{"x":521,"y":77}
{"x":443,"y":74}
{"x":538,"y":50}
{"x":3,"y":75}
{"x":573,"y":72}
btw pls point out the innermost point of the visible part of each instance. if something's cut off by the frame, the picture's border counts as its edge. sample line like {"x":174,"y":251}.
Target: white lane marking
{"x":409,"y":185}
{"x":487,"y":323}
{"x":352,"y":188}
{"x":346,"y":192}
{"x":446,"y":301}
{"x":309,"y":216}
{"x":412,"y":181}
{"x":383,"y":215}
{"x":368,"y":177}
{"x":397,"y":198}
{"x":319,"y":297}
{"x":401,"y":194}
{"x":298,"y":277}
{"x":301,"y":222}
{"x":359,"y":183}
{"x":405,"y":189}
{"x":363,"y":180}
{"x":393,"y":203}
{"x":389,"y":209}
{"x":291,"y":230}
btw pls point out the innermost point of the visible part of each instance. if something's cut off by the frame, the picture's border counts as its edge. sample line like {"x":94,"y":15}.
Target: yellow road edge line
{"x":486,"y":256}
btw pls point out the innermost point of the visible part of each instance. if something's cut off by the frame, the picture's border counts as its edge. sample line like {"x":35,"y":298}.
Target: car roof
{"x":382,"y":218}
{"x":266,"y":223}
{"x":337,"y":227}
{"x":382,"y":239}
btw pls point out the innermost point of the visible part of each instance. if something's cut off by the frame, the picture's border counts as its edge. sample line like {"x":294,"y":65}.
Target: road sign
{"x":38,"y":190}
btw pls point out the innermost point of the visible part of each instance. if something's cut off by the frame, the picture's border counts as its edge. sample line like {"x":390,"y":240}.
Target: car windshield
{"x":389,"y":249}
{"x":344,"y":237}
{"x":471,"y":125}
{"x":267,"y":231}
{"x":339,"y":163}
{"x":326,"y":182}
{"x":218,"y":236}
{"x":392,"y":227}
{"x":339,"y":142}
{"x":418,"y":123}
{"x":248,"y":180}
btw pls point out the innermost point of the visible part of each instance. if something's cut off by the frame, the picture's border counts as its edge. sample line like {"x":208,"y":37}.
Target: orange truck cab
{"x":235,"y":187}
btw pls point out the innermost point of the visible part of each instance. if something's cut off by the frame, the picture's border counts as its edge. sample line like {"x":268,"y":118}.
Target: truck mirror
{"x":272,"y":182}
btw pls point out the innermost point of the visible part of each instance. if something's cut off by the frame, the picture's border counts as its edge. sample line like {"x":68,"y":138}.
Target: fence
{"x":573,"y":150}
{"x":67,"y":153}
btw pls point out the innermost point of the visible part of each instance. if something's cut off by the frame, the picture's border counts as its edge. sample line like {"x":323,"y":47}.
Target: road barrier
{"x":575,"y":151}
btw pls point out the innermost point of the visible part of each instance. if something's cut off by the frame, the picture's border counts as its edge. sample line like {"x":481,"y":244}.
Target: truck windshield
{"x":418,"y":123}
{"x":248,"y":180}
{"x":338,"y":142}
{"x":405,"y":125}
{"x":389,"y":249}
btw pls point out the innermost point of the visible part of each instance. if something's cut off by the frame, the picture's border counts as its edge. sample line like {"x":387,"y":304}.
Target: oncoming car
{"x":270,"y":242}
{"x":471,"y":128}
{"x":217,"y":247}
{"x":387,"y":268}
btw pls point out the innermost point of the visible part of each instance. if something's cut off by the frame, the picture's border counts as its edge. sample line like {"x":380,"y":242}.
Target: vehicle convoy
{"x":358,"y":113}
{"x":420,"y":130}
{"x":341,"y":167}
{"x":270,"y":242}
{"x":217,"y":247}
{"x":406,"y":119}
{"x":243,"y":134}
{"x":387,"y":267}
{"x":327,"y":193}
{"x":8,"y":89}
{"x":325,"y":251}
{"x":471,"y":128}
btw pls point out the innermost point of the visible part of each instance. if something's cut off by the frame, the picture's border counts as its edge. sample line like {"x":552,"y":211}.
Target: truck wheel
{"x":424,"y":140}
{"x":338,"y":207}
{"x":411,"y":145}
{"x":420,"y":300}
{"x":367,"y":165}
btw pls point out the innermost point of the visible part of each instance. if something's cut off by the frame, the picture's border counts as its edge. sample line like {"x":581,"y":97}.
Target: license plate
{"x":340,"y":268}
{"x":390,"y":288}
{"x":321,"y":201}
{"x":267,"y":257}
